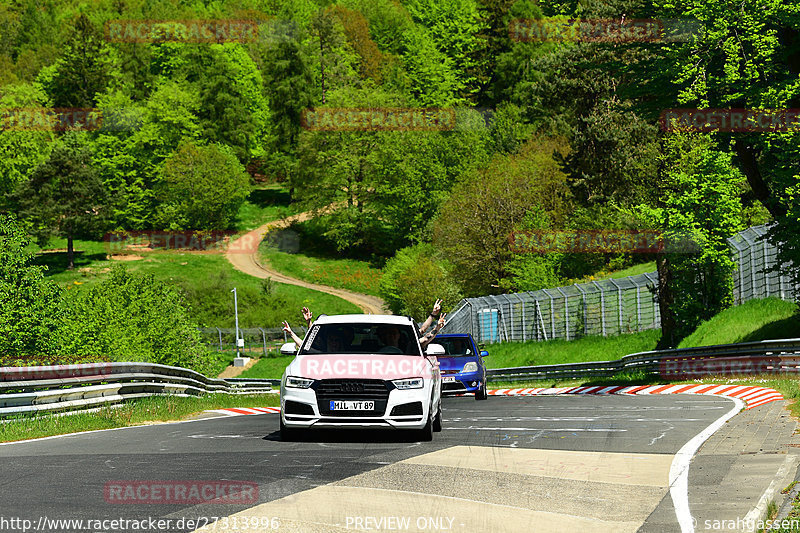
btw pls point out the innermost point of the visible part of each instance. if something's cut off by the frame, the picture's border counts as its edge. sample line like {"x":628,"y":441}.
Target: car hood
{"x":456,"y":363}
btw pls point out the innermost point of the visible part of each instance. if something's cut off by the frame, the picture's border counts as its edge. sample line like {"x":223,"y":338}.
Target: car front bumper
{"x":416,"y":402}
{"x":463,"y":383}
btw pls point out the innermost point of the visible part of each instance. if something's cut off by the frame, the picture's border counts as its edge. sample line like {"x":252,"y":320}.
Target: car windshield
{"x":361,"y":338}
{"x":455,"y":346}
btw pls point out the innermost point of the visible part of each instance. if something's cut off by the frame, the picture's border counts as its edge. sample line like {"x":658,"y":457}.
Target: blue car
{"x":462,"y":367}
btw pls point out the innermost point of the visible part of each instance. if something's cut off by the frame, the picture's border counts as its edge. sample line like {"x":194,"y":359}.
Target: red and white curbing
{"x":752,"y":396}
{"x":240,"y":411}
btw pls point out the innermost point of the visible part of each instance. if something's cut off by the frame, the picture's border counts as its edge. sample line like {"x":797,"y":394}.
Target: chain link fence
{"x":609,"y":307}
{"x":258,"y":342}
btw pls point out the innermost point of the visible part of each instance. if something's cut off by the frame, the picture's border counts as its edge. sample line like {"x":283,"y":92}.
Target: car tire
{"x":426,"y":434}
{"x":437,"y":422}
{"x":481,"y":393}
{"x":288,"y":434}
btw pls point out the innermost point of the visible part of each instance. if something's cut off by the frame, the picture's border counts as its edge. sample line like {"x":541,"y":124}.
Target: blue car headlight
{"x":472,"y":366}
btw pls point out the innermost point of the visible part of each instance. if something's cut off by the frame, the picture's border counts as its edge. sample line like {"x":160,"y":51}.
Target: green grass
{"x":207,"y":279}
{"x":556,"y":352}
{"x":350,"y":274}
{"x":634,"y":270}
{"x":268,"y":368}
{"x":756,"y":320}
{"x":133,"y":413}
{"x":264,"y":204}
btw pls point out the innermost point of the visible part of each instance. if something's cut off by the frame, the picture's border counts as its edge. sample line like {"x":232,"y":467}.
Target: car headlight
{"x":404,"y":384}
{"x":472,"y":366}
{"x":298,"y":383}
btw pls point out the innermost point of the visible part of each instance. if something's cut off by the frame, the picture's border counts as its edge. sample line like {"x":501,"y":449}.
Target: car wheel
{"x":481,"y":393}
{"x":288,"y":434}
{"x":437,"y":422}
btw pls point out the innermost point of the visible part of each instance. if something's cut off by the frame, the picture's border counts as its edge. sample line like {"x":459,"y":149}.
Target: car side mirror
{"x":434,"y":349}
{"x":484,"y":353}
{"x":289,"y":348}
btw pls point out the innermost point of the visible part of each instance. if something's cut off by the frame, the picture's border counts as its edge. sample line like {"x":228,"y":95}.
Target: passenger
{"x":339,"y":340}
{"x":390,"y":337}
{"x":437,"y":315}
{"x":288,"y":329}
{"x":307,"y":315}
{"x":437,"y":308}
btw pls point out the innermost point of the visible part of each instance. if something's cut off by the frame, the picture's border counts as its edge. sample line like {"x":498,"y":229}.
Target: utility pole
{"x":236,"y":316}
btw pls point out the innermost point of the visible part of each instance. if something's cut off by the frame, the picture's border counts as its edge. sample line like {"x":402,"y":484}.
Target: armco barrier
{"x":45,"y":389}
{"x":763,"y":357}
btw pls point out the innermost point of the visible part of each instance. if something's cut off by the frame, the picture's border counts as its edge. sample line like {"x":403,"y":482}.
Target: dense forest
{"x":557,"y":132}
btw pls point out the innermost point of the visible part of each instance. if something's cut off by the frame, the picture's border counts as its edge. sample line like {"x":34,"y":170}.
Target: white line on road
{"x":679,"y":470}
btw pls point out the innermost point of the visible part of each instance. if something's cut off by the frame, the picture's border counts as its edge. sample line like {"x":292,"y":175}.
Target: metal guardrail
{"x":46,"y":389}
{"x":773,"y":356}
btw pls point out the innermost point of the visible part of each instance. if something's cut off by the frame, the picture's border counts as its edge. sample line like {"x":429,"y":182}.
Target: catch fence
{"x":612,"y":306}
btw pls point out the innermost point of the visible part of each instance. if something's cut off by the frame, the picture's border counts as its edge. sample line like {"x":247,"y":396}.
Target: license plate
{"x":352,"y":405}
{"x":449,"y":379}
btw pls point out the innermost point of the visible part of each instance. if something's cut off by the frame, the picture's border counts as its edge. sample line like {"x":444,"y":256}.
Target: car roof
{"x":365,"y":319}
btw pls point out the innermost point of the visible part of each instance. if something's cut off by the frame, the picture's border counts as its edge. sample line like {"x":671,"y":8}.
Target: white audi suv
{"x":361,"y":371}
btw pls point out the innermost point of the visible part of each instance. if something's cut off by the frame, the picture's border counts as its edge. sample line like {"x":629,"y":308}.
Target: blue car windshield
{"x":455,"y":346}
{"x":361,"y":339}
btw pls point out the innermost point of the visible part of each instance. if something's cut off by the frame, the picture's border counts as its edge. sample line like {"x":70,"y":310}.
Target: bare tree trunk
{"x":665,"y":300}
{"x":70,"y":253}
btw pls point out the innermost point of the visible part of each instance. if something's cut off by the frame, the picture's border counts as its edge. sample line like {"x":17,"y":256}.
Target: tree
{"x":412,"y":276}
{"x":289,"y":84}
{"x":748,"y":58}
{"x":83,"y":70}
{"x":29,"y":304}
{"x":201,"y":187}
{"x":65,"y":195}
{"x":698,"y":210}
{"x":474,"y":224}
{"x":454,"y":26}
{"x":134,"y":317}
{"x":233,"y":109}
{"x":22,"y":150}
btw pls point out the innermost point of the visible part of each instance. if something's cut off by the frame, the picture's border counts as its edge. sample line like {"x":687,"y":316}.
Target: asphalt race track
{"x":566,"y":463}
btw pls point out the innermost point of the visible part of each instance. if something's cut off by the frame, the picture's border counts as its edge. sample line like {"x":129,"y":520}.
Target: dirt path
{"x":243,"y":255}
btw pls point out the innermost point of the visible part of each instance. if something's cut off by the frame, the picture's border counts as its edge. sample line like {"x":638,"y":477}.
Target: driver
{"x":390,"y":336}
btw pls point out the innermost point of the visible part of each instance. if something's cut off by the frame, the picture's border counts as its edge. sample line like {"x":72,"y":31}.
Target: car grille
{"x":453,"y":387}
{"x":352,"y":389}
